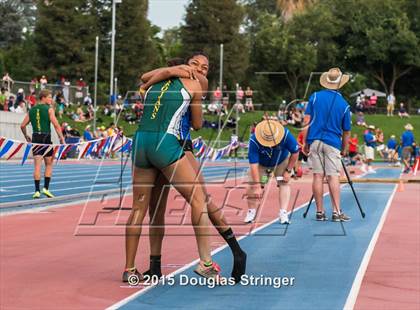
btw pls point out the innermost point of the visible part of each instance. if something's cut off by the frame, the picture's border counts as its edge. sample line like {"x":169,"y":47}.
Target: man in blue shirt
{"x":370,"y":144}
{"x":326,"y":137}
{"x":407,"y":143}
{"x":272,"y":150}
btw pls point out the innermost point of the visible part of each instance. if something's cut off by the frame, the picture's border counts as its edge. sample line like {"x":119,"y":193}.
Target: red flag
{"x":15,"y":151}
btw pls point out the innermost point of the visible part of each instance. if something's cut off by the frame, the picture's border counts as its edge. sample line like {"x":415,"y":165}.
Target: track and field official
{"x":329,"y":123}
{"x":272,"y":150}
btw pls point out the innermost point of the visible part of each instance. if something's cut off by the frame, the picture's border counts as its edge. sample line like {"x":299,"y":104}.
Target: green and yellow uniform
{"x":41,"y":128}
{"x":40,"y":119}
{"x":156,"y":140}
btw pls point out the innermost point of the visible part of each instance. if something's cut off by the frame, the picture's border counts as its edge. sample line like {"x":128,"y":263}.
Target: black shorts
{"x":303,"y":157}
{"x":43,"y":138}
{"x":186,"y":145}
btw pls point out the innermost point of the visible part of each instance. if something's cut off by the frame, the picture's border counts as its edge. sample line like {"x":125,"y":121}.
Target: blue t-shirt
{"x":87,"y":136}
{"x":392,"y":144}
{"x":330,"y":116}
{"x":369,"y":139}
{"x":186,"y":125}
{"x":272,"y":156}
{"x":407,"y":138}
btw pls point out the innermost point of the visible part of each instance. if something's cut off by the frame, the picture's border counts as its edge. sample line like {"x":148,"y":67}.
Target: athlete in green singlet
{"x":157,"y":206}
{"x":156,"y":149}
{"x":41,"y":116}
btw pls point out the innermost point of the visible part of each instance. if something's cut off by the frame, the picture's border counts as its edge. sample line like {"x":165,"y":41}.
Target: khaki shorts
{"x":369,"y":152}
{"x":277,"y":170}
{"x":406,"y":152}
{"x":325,"y":158}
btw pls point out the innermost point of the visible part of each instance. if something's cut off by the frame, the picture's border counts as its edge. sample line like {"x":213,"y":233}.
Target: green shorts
{"x":155,"y":149}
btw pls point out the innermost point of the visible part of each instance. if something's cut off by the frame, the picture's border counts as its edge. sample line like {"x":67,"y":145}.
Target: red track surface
{"x":45,"y":265}
{"x":392,"y":279}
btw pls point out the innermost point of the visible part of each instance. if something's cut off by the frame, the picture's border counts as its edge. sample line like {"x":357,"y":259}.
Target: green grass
{"x":389,"y":125}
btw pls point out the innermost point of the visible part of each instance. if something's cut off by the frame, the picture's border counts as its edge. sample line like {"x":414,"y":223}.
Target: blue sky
{"x":167,"y":13}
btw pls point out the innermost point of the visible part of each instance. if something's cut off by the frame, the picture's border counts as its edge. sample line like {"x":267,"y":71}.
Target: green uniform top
{"x":40,"y":119}
{"x":166,"y":103}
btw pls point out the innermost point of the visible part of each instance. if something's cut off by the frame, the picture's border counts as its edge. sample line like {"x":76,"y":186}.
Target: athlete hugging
{"x":163,"y":155}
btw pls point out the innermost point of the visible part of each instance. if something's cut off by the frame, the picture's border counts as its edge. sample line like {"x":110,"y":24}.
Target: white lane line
{"x":354,"y":292}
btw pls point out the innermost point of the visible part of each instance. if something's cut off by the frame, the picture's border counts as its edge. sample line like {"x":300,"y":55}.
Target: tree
{"x":280,"y":49}
{"x":65,"y":37}
{"x":208,"y":24}
{"x":136,"y":47}
{"x":288,"y":8}
{"x":11,"y":19}
{"x":378,"y":39}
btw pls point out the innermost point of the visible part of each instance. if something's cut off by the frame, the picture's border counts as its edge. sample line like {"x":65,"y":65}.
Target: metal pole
{"x":116,"y":99}
{"x":96,"y":82}
{"x":237,"y":112}
{"x":221,"y":85}
{"x":111,"y":80}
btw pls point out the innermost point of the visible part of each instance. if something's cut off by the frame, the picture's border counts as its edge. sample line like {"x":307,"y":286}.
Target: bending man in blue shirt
{"x":328,"y":116}
{"x":272,"y":150}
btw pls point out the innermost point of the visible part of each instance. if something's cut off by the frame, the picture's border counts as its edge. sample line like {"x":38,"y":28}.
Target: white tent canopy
{"x":369,"y":92}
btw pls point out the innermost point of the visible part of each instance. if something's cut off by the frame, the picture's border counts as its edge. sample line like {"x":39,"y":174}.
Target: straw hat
{"x":269,"y":133}
{"x":333,"y":79}
{"x":408,"y":127}
{"x":371,"y":127}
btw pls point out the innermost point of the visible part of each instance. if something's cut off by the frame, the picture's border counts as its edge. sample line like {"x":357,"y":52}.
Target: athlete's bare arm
{"x":25,"y":123}
{"x":161,"y":74}
{"x":194,"y":88}
{"x":56,"y":125}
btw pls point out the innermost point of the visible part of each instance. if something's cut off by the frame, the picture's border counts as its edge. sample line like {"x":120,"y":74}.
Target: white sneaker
{"x":250,"y":216}
{"x":371,"y":170}
{"x":398,"y":164}
{"x":284,"y":218}
{"x":363,"y":169}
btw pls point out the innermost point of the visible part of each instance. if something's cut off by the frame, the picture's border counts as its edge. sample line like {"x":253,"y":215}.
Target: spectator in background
{"x":239,"y":95}
{"x":111,"y":130}
{"x":66,"y":91}
{"x":80,"y":115}
{"x":59,"y":102}
{"x":354,"y":154}
{"x":20,"y":98}
{"x":11,"y":103}
{"x":372,"y":103}
{"x":360,"y":119}
{"x":33,"y":86}
{"x":138,"y":109}
{"x":31,"y":99}
{"x":43,"y":81}
{"x":87,"y":100}
{"x":3,"y":100}
{"x":249,"y":105}
{"x":391,"y":104}
{"x":225,"y":99}
{"x":402,"y":112}
{"x":217,"y":97}
{"x":87,"y":134}
{"x":370,"y":144}
{"x":359,"y":102}
{"x":7,"y":82}
{"x":407,"y":144}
